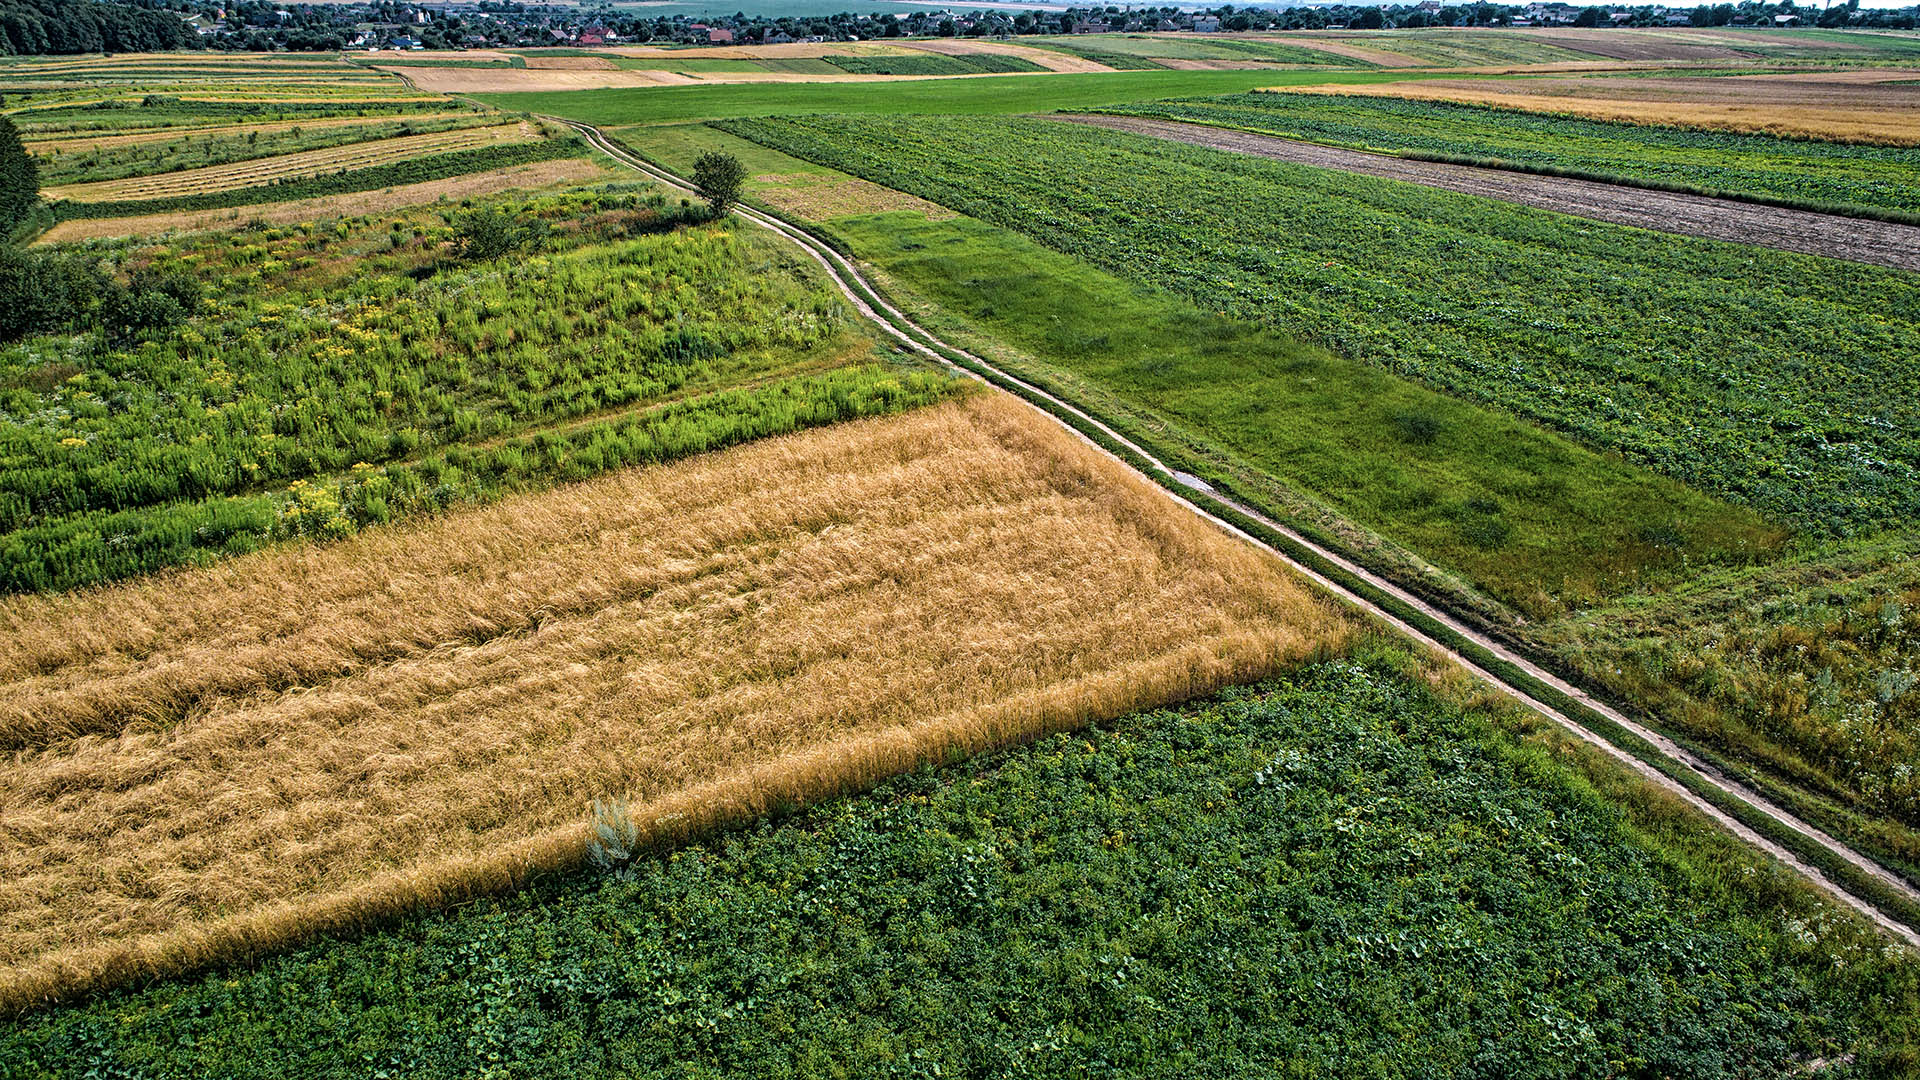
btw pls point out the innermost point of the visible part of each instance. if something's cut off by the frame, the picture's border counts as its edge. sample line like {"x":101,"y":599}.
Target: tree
{"x":717,"y":177}
{"x":19,"y":179}
{"x":487,"y":234}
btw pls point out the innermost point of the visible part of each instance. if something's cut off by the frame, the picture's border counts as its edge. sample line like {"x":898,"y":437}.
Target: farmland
{"x":467,"y":610}
{"x":950,"y":580}
{"x":1822,"y":175}
{"x":1331,"y":868}
{"x":1664,"y":361}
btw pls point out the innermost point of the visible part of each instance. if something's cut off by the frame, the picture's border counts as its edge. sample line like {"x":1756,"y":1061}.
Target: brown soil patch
{"x":539,"y":174}
{"x":1858,"y":240}
{"x":425,"y":712}
{"x":1857,"y":106}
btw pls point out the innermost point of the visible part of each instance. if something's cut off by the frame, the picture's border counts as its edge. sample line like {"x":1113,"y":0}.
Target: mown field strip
{"x":860,"y":292}
{"x":287,"y":166}
{"x":776,"y":622}
{"x":1876,"y":242}
{"x":75,"y":144}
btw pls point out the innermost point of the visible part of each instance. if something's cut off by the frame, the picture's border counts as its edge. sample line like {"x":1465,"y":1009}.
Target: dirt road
{"x":1197,"y":496}
{"x":1855,"y":239}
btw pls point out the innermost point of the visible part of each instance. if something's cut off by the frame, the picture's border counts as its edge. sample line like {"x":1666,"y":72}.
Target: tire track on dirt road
{"x":1192,"y":493}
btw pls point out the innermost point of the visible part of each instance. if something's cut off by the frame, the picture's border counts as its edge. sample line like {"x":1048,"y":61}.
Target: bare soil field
{"x":453,"y":189}
{"x":1879,"y":105}
{"x":311,"y":736}
{"x":287,"y":166}
{"x":1875,"y":242}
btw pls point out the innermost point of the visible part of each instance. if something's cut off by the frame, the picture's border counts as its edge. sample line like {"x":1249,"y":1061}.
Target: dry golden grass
{"x":305,"y":163}
{"x":1864,"y":106}
{"x":538,"y":175}
{"x":75,"y":144}
{"x":813,"y":197}
{"x":314,"y":738}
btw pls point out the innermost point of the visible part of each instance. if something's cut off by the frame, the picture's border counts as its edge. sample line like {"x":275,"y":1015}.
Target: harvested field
{"x":261,"y":171}
{"x":1641,"y":45}
{"x":1312,"y":39}
{"x":1879,"y":106}
{"x":570,"y":63}
{"x":316,"y":737}
{"x":455,"y":188}
{"x":103,"y":142}
{"x":1880,"y":243}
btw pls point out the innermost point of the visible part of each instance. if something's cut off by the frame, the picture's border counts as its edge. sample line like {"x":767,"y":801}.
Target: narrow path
{"x":868,"y":301}
{"x":1855,"y":239}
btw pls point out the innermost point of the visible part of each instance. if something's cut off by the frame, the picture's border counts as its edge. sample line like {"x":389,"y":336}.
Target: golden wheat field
{"x":215,"y":761}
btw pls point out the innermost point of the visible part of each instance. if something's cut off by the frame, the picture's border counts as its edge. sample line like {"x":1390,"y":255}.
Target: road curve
{"x":872,"y":306}
{"x":1854,"y":239}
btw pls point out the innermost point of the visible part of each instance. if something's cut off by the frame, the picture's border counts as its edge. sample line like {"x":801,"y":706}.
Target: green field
{"x":1333,"y":871}
{"x":933,"y":64}
{"x":1668,"y":350}
{"x":928,"y":96}
{"x":1144,"y":47}
{"x":1804,"y":172}
{"x":351,"y":375}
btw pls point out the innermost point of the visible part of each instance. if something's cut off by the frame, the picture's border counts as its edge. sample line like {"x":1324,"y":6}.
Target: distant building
{"x":719,"y":37}
{"x":1206,"y":24}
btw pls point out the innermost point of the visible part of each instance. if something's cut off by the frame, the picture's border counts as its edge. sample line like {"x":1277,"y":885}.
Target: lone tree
{"x":718,"y":178}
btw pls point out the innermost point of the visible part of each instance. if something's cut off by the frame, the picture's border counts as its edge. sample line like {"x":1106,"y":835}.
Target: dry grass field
{"x":1878,"y":105}
{"x":313,"y":738}
{"x":293,"y":166}
{"x":452,"y":189}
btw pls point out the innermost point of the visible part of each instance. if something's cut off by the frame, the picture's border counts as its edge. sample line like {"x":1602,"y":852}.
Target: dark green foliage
{"x":717,"y":177}
{"x":488,"y":233}
{"x":1333,"y":875}
{"x":1790,"y":384}
{"x":42,"y":291}
{"x":932,"y":64}
{"x":1825,"y":175}
{"x":152,"y":299}
{"x":19,"y":180}
{"x":410,"y":171}
{"x":41,"y":27}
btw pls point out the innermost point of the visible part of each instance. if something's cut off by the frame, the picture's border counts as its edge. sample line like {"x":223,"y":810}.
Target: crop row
{"x":933,"y":64}
{"x":1793,"y":388}
{"x":1798,"y":171}
{"x":119,"y":114}
{"x":410,"y":170}
{"x":112,"y":158}
{"x":359,"y":154}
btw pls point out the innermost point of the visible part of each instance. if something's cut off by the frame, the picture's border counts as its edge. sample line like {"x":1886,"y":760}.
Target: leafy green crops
{"x":932,"y":64}
{"x":115,"y":461}
{"x":1789,"y":170}
{"x":1788,"y":382}
{"x":1335,"y":875}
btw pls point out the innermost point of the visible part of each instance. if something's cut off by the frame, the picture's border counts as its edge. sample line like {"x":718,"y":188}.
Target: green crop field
{"x":1668,"y":350}
{"x":933,"y":64}
{"x":1821,"y":175}
{"x":929,"y":96}
{"x":1144,"y":47}
{"x":363,"y":368}
{"x":1330,"y":870}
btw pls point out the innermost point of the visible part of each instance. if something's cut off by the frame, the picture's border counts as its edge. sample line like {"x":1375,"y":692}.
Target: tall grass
{"x":313,"y":738}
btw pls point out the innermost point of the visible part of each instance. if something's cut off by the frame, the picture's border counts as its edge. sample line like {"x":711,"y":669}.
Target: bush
{"x":718,"y":178}
{"x":42,"y":292}
{"x":19,"y":179}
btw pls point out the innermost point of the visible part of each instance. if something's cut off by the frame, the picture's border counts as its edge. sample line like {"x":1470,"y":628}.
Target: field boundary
{"x":1874,"y":892}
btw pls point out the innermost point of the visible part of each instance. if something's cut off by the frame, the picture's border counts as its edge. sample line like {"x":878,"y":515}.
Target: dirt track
{"x":1858,"y":240}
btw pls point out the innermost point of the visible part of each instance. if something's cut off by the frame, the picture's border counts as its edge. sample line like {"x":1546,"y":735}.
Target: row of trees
{"x":44,"y":27}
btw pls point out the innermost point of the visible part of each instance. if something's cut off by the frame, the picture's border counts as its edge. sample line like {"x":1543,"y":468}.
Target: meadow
{"x":1792,"y":391}
{"x":362,"y":362}
{"x":1829,"y":176}
{"x":333,"y":735}
{"x":1333,"y":870}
